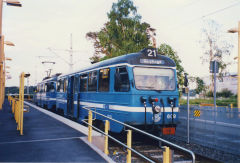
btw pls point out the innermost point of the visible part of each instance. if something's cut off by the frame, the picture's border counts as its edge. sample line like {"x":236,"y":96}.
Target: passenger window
{"x":65,"y":85}
{"x":45,"y":87}
{"x":121,"y":80}
{"x":37,"y":88}
{"x":104,"y":75}
{"x":92,"y":81}
{"x":83,"y":83}
{"x":58,"y":85}
{"x":50,"y":87}
{"x":61,"y":86}
{"x":76,"y":82}
{"x":41,"y":88}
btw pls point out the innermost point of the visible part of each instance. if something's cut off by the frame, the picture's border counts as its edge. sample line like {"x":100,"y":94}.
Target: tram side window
{"x":61,"y":86}
{"x":65,"y":85}
{"x":50,"y":87}
{"x":58,"y":85}
{"x":83,"y":82}
{"x":37,"y":88}
{"x":41,"y":88}
{"x":104,"y":75}
{"x":44,"y":87}
{"x":121,"y":80}
{"x":92,"y":81}
{"x":76,"y":84}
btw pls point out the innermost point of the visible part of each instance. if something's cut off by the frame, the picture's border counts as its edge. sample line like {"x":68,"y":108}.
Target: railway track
{"x":150,"y":148}
{"x":152,"y":152}
{"x":146,"y":147}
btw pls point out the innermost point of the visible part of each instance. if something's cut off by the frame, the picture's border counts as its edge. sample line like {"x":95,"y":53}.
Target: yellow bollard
{"x":106,"y":137}
{"x":13,"y":103}
{"x":129,"y":144}
{"x":231,"y":106}
{"x":21,"y":102}
{"x":166,"y":155}
{"x":90,"y":126}
{"x":16,"y":111}
{"x":17,"y":114}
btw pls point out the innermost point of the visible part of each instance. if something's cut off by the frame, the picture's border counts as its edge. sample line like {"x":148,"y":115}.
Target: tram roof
{"x":139,"y":58}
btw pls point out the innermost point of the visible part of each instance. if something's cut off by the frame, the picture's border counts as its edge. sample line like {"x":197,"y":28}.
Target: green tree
{"x":123,"y":33}
{"x":167,"y":50}
{"x":224,"y":93}
{"x":200,"y":85}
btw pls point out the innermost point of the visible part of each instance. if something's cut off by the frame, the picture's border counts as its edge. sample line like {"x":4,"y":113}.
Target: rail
{"x":138,"y":130}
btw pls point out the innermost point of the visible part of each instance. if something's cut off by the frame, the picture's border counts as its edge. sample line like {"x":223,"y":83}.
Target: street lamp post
{"x":3,"y":70}
{"x":238,"y":31}
{"x":2,"y":58}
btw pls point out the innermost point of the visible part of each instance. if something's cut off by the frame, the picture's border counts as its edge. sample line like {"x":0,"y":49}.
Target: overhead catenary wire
{"x":209,"y":14}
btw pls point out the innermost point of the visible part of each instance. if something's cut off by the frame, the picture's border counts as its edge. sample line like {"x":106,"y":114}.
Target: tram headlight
{"x":157,"y":109}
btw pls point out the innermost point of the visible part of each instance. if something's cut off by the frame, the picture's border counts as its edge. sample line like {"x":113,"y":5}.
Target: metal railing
{"x":17,"y":105}
{"x":91,"y":109}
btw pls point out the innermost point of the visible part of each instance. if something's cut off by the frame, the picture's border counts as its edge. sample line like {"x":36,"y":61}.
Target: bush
{"x":224,"y":93}
{"x":209,"y":94}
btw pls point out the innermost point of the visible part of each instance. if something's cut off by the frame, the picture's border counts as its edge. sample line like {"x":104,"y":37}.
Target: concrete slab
{"x":45,"y":139}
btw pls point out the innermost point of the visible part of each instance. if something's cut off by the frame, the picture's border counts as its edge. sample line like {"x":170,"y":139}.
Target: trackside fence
{"x":166,"y":154}
{"x":218,"y":129}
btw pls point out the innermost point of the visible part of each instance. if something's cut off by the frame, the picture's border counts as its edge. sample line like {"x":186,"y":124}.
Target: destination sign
{"x":152,"y":61}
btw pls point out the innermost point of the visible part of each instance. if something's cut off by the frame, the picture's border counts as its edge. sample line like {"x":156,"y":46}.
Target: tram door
{"x":76,"y":96}
{"x":70,"y":100}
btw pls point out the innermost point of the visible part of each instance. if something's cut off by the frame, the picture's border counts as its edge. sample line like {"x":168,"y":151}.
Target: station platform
{"x":44,"y":139}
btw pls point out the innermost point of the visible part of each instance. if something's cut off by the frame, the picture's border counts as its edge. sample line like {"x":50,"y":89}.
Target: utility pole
{"x":70,"y":51}
{"x":237,"y":30}
{"x":71,"y":55}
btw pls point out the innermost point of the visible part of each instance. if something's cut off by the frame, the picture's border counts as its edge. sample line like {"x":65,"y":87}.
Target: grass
{"x":220,"y":102}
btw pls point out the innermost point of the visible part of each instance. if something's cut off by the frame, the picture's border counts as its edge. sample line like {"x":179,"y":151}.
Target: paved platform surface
{"x":45,"y":139}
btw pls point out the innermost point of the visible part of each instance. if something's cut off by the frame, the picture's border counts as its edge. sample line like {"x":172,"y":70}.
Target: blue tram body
{"x":45,"y":95}
{"x":139,"y":89}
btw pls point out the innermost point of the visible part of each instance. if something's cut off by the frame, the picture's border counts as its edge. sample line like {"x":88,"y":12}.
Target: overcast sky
{"x":43,"y":24}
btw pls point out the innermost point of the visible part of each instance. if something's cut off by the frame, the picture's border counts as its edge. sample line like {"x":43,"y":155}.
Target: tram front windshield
{"x":147,"y":78}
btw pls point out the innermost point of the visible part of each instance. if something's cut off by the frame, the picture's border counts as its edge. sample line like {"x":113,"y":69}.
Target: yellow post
{"x":166,"y":155}
{"x":231,"y":106}
{"x":21,"y":101}
{"x":16,"y":110}
{"x":106,"y":137}
{"x":18,"y":114}
{"x":2,"y":80}
{"x":238,"y":97}
{"x":13,"y":103}
{"x":90,"y":126}
{"x":129,"y":144}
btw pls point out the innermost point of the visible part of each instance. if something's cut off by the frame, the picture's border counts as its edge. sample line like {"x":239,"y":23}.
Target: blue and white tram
{"x":139,"y":89}
{"x":45,"y":95}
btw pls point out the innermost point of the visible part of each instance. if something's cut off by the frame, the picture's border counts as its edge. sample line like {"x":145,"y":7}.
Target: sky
{"x":42,"y":24}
